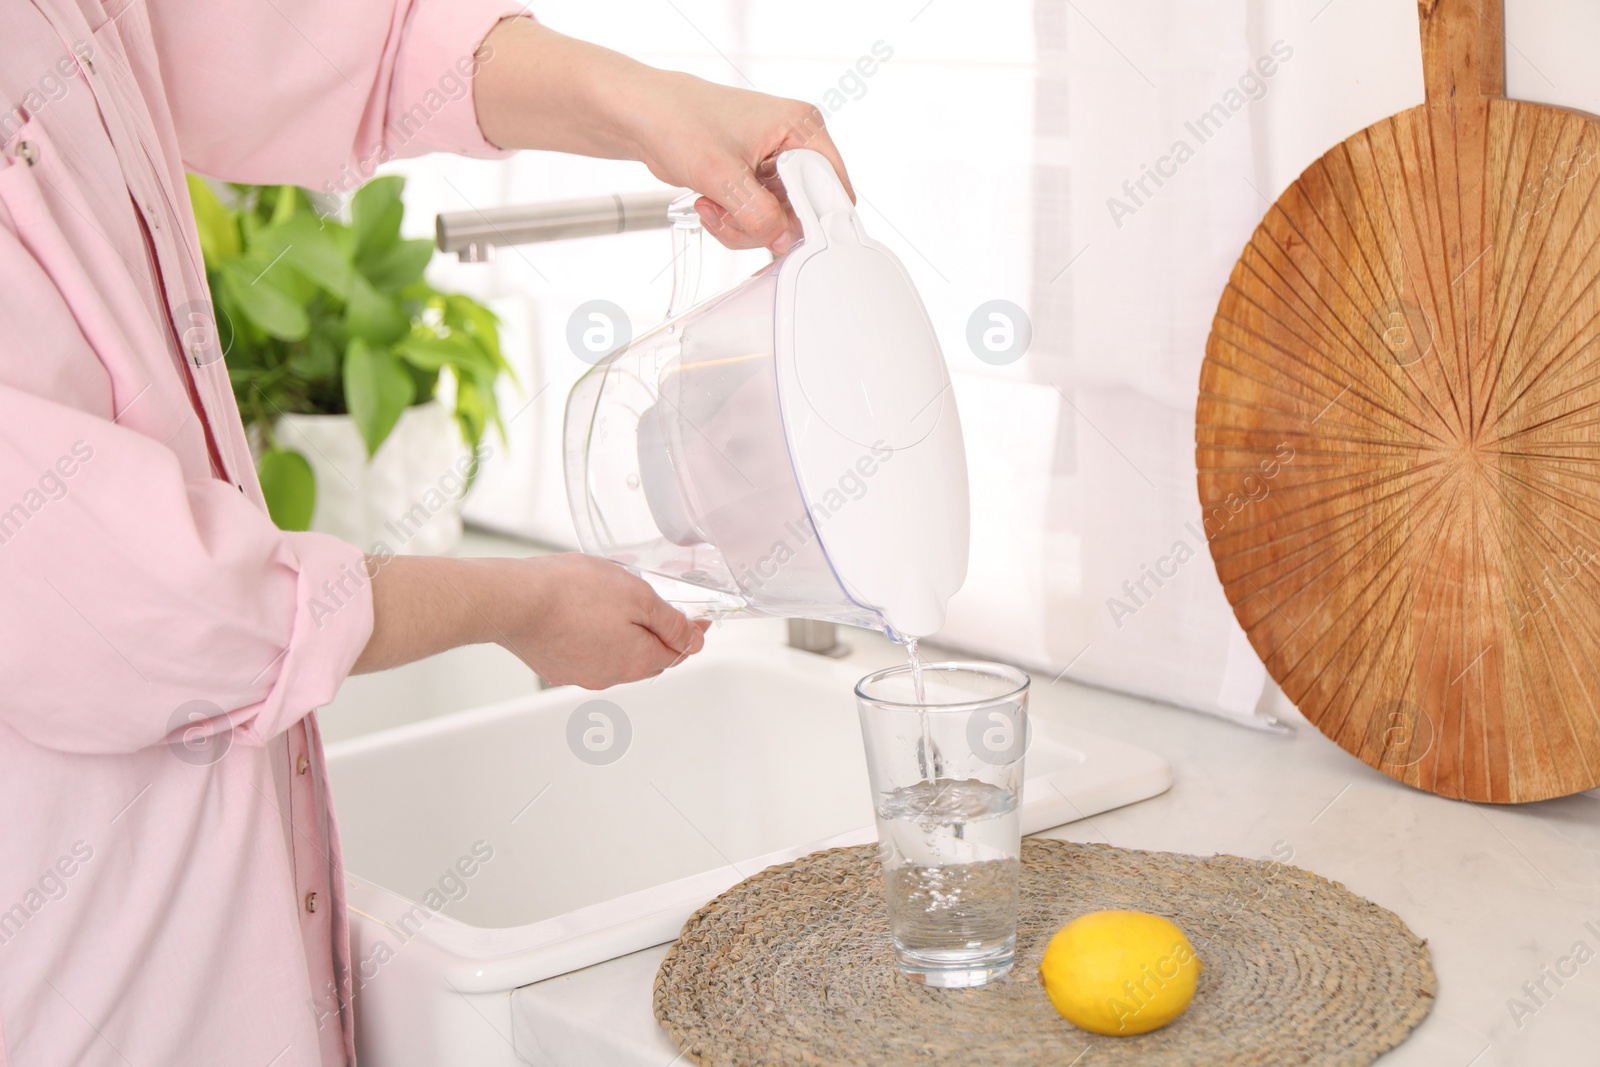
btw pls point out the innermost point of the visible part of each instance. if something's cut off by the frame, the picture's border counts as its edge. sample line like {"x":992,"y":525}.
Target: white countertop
{"x":1501,"y":894}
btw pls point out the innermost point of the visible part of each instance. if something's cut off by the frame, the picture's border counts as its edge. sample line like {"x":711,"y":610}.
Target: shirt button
{"x":302,"y":764}
{"x":155,"y":220}
{"x":28,"y":152}
{"x":311,"y":902}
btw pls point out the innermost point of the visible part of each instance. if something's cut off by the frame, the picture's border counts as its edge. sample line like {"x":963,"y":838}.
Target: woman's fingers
{"x":722,"y":226}
{"x":673,"y":629}
{"x":754,"y":210}
{"x":749,"y":217}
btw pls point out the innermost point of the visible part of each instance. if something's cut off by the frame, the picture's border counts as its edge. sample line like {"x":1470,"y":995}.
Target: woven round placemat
{"x":794,"y":966}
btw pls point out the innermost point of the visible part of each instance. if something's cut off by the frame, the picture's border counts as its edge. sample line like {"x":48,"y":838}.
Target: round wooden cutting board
{"x":1399,"y":428}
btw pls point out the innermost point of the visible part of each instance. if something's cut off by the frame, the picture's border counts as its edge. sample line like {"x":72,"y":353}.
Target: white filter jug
{"x":790,"y":447}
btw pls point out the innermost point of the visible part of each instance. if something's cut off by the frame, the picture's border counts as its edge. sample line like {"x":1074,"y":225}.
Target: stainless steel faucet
{"x":809,"y":635}
{"x":470,"y":234}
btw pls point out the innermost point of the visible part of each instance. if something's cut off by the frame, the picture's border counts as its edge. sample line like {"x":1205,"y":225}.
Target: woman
{"x":170,"y":880}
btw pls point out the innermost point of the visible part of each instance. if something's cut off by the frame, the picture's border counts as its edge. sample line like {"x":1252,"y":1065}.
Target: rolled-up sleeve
{"x":316,"y":93}
{"x":139,"y":595}
{"x":139,"y":603}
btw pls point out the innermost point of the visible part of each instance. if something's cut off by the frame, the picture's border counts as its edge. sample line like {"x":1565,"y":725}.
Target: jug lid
{"x":868,"y":410}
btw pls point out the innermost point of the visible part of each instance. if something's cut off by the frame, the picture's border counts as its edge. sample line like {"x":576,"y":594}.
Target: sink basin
{"x":494,"y":848}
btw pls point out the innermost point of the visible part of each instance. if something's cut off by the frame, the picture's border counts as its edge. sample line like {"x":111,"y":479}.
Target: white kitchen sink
{"x":485,"y":854}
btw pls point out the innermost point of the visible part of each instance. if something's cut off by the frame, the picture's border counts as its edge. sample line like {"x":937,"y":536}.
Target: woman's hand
{"x":536,"y":88}
{"x":720,"y":142}
{"x":574,"y":619}
{"x":578,"y":620}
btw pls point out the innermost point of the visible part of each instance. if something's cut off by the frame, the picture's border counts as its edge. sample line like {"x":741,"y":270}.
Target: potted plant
{"x":365,"y":391}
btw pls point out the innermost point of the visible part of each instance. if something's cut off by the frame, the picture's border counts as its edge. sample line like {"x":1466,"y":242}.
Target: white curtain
{"x":1089,"y":556}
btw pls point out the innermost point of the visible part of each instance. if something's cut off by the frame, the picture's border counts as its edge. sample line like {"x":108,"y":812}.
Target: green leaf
{"x":468,"y":316}
{"x":242,"y":378}
{"x":377,"y":390}
{"x":372,"y":316}
{"x":318,"y":361}
{"x":397,"y":266}
{"x":375,"y":214}
{"x":471,"y":414}
{"x":290,"y":488}
{"x":308,"y":246}
{"x":456,"y":351}
{"x":427,"y":381}
{"x":288,"y":199}
{"x":253,"y":295}
{"x":273,"y":270}
{"x":219,"y":233}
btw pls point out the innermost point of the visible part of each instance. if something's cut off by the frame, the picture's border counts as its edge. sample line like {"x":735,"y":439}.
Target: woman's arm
{"x":540,"y":89}
{"x":574,"y":619}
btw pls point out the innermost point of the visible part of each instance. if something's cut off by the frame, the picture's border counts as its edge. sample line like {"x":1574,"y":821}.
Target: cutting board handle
{"x":1463,"y":49}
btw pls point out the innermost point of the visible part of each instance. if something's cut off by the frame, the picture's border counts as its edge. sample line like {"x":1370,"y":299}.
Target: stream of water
{"x":928,"y":757}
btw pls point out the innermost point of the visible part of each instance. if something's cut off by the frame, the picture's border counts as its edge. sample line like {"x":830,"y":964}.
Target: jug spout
{"x":916,"y":612}
{"x":686,"y":240}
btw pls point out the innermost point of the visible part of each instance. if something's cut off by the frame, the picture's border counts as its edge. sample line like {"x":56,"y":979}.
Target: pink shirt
{"x":170,"y":878}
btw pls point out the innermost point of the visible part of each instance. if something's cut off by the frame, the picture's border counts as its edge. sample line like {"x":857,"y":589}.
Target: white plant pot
{"x":406,"y":500}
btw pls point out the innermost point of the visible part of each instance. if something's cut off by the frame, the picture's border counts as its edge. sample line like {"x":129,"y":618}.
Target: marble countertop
{"x":1508,"y":898}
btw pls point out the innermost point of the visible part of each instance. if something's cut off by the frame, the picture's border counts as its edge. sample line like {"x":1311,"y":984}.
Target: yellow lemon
{"x":1120,"y":972}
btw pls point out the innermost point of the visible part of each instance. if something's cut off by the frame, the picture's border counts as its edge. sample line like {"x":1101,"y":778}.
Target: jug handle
{"x":818,"y":198}
{"x":686,"y":235}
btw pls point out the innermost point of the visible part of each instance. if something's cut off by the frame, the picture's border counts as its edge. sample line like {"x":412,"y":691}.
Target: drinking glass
{"x":944,"y":756}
